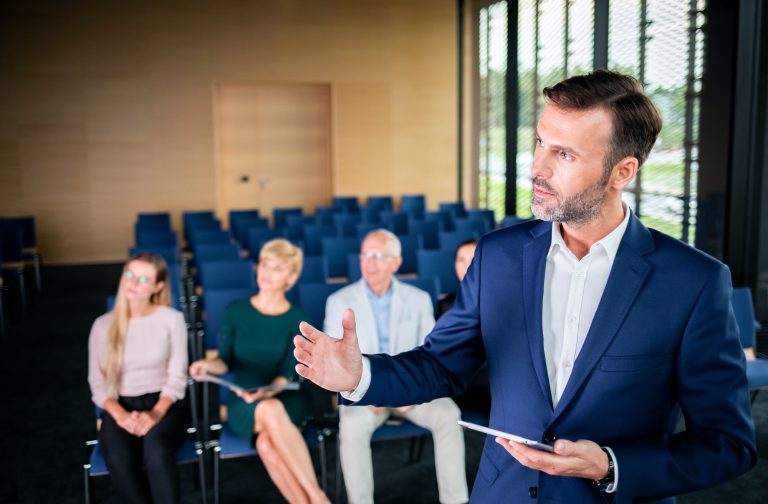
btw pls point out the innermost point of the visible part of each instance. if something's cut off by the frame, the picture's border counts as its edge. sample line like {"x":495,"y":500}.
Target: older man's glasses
{"x":375,"y":256}
{"x":141,"y":279}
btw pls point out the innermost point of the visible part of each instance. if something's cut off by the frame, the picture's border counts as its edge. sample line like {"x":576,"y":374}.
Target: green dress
{"x":257,"y":348}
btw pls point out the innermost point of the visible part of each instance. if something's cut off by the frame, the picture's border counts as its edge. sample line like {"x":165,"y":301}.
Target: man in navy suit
{"x":597,"y":331}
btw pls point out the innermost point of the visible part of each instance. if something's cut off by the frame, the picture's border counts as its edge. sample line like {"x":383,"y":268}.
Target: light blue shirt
{"x":381,"y":308}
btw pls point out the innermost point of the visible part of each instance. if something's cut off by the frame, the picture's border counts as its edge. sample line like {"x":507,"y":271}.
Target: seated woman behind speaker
{"x":137,"y":371}
{"x":477,"y":396}
{"x":256,"y":344}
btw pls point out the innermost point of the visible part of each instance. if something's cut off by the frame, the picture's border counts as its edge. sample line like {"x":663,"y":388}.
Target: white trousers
{"x":357,"y":424}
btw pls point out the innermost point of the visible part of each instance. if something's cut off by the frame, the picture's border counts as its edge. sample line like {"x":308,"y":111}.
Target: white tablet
{"x":506,"y":435}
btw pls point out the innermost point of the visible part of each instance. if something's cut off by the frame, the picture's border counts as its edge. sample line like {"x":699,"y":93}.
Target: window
{"x":492,"y":58}
{"x":658,"y":41}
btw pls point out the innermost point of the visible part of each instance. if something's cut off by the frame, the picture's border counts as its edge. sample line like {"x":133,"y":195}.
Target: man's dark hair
{"x":636,"y":122}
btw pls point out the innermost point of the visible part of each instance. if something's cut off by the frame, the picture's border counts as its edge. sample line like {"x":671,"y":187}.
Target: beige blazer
{"x":411,"y":316}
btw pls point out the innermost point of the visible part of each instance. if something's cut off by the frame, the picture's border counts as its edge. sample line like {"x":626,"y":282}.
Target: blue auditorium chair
{"x":395,"y":222}
{"x":312,"y":297}
{"x":455,"y":208}
{"x":227,"y":275}
{"x":439,"y":263}
{"x":428,"y":233}
{"x":346,"y":224}
{"x":205,"y":252}
{"x":484,"y":214}
{"x":335,"y":251}
{"x":257,"y":236}
{"x":451,"y":240}
{"x":473,"y":226}
{"x":743,"y":309}
{"x":280,"y":215}
{"x":346,"y":204}
{"x":313,"y":238}
{"x":242,"y":227}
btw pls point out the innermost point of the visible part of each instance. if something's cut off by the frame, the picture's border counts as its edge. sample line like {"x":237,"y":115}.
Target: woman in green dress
{"x":255,"y":343}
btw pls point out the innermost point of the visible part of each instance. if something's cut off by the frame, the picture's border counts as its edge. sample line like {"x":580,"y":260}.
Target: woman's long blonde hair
{"x":113,"y":358}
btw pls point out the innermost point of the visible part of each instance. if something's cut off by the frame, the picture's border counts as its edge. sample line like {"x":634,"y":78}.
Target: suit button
{"x":549,"y":437}
{"x":533,"y":492}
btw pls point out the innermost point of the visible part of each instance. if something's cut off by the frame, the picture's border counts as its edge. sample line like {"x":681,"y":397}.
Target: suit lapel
{"x":624,"y":282}
{"x":534,"y":263}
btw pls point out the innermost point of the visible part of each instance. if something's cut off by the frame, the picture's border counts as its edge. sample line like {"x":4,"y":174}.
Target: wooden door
{"x":273,"y":146}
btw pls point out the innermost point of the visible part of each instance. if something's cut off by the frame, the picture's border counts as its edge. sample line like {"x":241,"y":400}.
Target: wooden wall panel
{"x":106,"y":109}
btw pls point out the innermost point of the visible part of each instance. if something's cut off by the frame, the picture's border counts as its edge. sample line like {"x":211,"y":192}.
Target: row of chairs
{"x":19,"y":256}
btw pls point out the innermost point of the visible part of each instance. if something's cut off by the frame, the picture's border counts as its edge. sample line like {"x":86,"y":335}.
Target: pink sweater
{"x":154,"y":360}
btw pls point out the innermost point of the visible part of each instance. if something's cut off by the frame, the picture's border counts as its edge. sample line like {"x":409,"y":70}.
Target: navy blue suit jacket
{"x":663,"y":340}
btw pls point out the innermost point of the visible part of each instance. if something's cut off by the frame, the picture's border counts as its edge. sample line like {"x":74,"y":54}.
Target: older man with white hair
{"x":392,"y":317}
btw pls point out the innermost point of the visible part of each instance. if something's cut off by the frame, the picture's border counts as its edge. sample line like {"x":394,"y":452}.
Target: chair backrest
{"x":428,"y":233}
{"x":451,"y":240}
{"x":439,"y":263}
{"x":335,"y":251}
{"x":206,"y":252}
{"x":380,"y":203}
{"x":395,"y":222}
{"x":236,"y":216}
{"x":194,"y":219}
{"x":744,"y":310}
{"x":477,"y":226}
{"x":313,"y":238}
{"x":485,"y":214}
{"x":294,"y":226}
{"x":227,"y":275}
{"x":149,"y":239}
{"x":346,"y":204}
{"x":324,"y":215}
{"x":200,"y":228}
{"x":312,"y":297}
{"x":428,"y":284}
{"x":353,"y":267}
{"x":215,"y":301}
{"x":28,"y":233}
{"x":409,"y":244}
{"x":455,"y":208}
{"x":371,"y":215}
{"x":205,"y":236}
{"x":347,"y":224}
{"x":413,"y":201}
{"x":257,"y":236}
{"x":443,"y":218}
{"x":279,"y":215}
{"x":12,"y":241}
{"x":314,"y":270}
{"x":160,"y":221}
{"x":242,"y":228}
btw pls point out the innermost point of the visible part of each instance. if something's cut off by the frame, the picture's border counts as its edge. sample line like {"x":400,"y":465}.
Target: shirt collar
{"x":372,"y":295}
{"x":610,"y":242}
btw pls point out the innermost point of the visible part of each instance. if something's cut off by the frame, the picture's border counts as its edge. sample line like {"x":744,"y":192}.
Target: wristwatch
{"x":603,"y":484}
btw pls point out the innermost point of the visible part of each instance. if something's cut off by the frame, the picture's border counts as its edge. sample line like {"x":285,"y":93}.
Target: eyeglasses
{"x":375,"y":256}
{"x":142,"y":279}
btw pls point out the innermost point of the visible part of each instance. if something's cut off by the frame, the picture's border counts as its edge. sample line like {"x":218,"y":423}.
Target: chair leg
{"x":201,"y":473}
{"x":23,"y":292}
{"x":87,"y":483}
{"x":38,"y":276}
{"x":216,"y":461}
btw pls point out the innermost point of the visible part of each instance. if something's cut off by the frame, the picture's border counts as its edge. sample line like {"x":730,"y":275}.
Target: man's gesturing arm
{"x":334,"y":364}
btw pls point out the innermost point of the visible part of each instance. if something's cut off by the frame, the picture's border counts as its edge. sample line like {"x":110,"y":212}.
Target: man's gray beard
{"x":576,"y":210}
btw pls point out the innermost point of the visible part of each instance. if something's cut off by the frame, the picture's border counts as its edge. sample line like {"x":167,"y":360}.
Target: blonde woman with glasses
{"x":137,"y":363}
{"x":256,"y":344}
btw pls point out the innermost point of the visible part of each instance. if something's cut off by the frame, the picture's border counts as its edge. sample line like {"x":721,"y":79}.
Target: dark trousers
{"x":143,"y":469}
